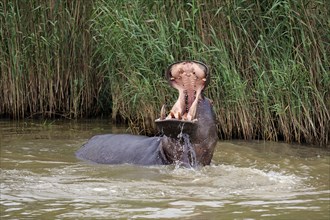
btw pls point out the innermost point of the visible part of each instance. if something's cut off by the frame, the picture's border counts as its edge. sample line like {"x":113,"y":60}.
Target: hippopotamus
{"x":188,"y":131}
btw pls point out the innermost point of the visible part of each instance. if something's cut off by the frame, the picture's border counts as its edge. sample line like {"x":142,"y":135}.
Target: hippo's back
{"x":122,"y":148}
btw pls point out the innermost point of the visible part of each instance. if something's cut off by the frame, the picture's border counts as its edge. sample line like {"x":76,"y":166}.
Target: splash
{"x":188,"y":158}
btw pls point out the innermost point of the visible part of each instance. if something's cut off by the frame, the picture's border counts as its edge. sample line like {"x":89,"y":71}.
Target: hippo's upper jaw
{"x":191,"y":115}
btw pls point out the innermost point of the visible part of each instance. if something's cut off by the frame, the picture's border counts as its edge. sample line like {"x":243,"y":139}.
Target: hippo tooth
{"x":204,"y":79}
{"x":172,"y":78}
{"x":163,"y":112}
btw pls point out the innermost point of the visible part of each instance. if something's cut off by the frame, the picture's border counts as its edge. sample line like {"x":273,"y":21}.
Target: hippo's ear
{"x":202,"y":66}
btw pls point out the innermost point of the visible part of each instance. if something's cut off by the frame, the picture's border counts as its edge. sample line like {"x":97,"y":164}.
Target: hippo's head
{"x":190,"y":132}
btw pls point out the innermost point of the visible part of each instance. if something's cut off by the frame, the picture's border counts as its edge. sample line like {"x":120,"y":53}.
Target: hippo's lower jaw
{"x":189,"y":130}
{"x":187,"y":142}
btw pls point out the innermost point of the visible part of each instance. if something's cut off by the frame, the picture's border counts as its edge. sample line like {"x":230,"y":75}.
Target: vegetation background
{"x":269,"y":61}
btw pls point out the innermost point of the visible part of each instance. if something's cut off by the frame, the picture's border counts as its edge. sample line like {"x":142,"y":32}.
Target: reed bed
{"x":46,"y":59}
{"x":269,"y":62}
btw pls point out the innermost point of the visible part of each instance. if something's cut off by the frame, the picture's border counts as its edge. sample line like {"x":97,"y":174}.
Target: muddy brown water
{"x":42,"y":179}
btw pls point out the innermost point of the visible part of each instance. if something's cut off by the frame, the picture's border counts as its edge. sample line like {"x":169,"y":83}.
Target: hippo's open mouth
{"x":190,"y":78}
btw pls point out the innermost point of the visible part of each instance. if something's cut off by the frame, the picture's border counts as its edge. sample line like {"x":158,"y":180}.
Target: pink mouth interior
{"x":189,"y":78}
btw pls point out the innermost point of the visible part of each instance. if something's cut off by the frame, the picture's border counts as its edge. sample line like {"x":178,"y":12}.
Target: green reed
{"x":46,"y":59}
{"x":269,"y":62}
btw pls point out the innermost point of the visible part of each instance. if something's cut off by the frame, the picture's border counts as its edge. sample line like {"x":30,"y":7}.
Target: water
{"x":186,"y":158}
{"x":42,"y":179}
